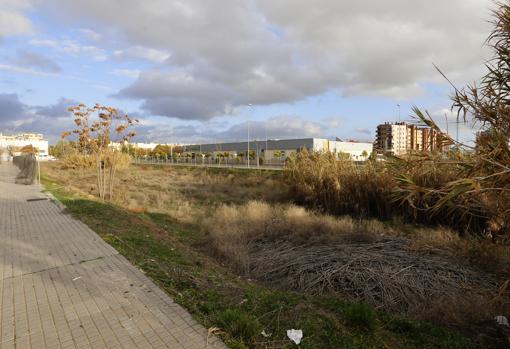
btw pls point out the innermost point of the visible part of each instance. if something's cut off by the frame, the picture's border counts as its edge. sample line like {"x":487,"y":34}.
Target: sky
{"x":207,"y":71}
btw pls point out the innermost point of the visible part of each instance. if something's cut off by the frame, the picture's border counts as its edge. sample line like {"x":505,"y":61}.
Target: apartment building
{"x":401,"y":138}
{"x":12,"y":144}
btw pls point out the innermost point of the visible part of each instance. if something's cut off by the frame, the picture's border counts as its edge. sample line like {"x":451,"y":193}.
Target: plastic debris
{"x":295,"y":335}
{"x":265,"y":334}
{"x":502,"y":320}
{"x":77,"y":278}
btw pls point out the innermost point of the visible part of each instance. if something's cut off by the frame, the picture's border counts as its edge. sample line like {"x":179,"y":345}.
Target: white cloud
{"x":276,"y":127}
{"x":130,"y":73}
{"x":30,"y":71}
{"x":72,"y":47}
{"x":140,"y":52}
{"x":12,"y":19}
{"x":43,"y":43}
{"x":90,"y":34}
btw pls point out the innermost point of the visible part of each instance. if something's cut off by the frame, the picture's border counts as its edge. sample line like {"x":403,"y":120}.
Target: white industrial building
{"x":12,"y":145}
{"x":281,"y":148}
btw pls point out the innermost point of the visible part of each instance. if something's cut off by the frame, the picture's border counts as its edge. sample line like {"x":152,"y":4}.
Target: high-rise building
{"x":401,"y":138}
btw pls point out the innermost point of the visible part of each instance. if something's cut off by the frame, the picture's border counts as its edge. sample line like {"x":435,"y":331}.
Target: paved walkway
{"x":62,"y":286}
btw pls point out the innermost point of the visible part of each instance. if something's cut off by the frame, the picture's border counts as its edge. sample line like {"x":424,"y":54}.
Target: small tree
{"x":279,"y":154}
{"x":96,"y":128}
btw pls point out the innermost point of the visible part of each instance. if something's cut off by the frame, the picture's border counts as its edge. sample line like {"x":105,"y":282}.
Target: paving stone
{"x":62,"y":286}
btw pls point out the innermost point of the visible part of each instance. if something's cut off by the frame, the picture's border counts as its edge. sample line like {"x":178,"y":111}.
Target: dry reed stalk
{"x":383,"y":272}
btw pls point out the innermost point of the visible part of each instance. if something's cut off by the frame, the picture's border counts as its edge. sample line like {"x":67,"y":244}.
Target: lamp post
{"x":398,"y":106}
{"x":248,"y":154}
{"x":265,"y":150}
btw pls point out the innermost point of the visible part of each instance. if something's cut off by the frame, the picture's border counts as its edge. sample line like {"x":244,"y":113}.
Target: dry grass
{"x":80,"y":161}
{"x":419,"y":188}
{"x":185,"y":194}
{"x":418,"y":271}
{"x":341,"y":187}
{"x":234,"y":228}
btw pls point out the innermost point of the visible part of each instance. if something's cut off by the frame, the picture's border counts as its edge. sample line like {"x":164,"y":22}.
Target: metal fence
{"x":275,"y":164}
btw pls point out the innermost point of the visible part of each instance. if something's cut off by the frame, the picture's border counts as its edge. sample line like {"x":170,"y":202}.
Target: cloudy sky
{"x":201,"y":70}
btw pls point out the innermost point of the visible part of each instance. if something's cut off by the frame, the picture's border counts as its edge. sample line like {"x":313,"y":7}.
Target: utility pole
{"x":457,"y":137}
{"x":248,"y":154}
{"x":398,"y":105}
{"x":265,"y":150}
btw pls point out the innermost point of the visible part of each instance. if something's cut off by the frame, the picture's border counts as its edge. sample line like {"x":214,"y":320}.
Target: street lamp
{"x":248,"y":154}
{"x":398,"y":105}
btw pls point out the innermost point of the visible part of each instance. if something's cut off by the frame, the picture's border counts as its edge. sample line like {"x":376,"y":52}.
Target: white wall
{"x":354,"y":149}
{"x":41,"y":145}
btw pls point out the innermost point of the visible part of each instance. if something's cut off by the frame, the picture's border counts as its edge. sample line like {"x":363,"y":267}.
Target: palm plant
{"x":470,"y":187}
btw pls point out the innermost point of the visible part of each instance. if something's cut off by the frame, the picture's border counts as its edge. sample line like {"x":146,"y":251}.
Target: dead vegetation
{"x":292,"y":248}
{"x":185,"y":194}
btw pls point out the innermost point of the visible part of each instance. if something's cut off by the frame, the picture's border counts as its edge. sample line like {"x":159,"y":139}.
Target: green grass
{"x":173,"y":256}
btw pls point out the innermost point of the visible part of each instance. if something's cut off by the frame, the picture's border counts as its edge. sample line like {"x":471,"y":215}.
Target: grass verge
{"x":242,"y":309}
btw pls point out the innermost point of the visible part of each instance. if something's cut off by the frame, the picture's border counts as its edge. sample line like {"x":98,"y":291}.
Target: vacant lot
{"x":205,"y":234}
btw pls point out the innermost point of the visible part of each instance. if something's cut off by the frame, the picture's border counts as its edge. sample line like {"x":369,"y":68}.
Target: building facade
{"x":282,"y":148}
{"x":14,"y":143}
{"x":402,"y":138}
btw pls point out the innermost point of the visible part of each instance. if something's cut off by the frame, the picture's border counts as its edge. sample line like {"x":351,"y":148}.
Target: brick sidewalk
{"x":62,"y":286}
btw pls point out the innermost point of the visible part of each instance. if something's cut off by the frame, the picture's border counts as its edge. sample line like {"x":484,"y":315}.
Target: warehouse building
{"x":280,"y":149}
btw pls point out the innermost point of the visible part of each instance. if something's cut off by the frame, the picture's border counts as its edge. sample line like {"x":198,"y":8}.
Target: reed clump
{"x":341,"y":187}
{"x":88,"y":161}
{"x":421,"y":188}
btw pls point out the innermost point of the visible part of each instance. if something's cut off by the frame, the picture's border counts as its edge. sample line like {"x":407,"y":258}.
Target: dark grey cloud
{"x":35,"y":60}
{"x":59,"y":109}
{"x":51,"y":120}
{"x":11,"y":108}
